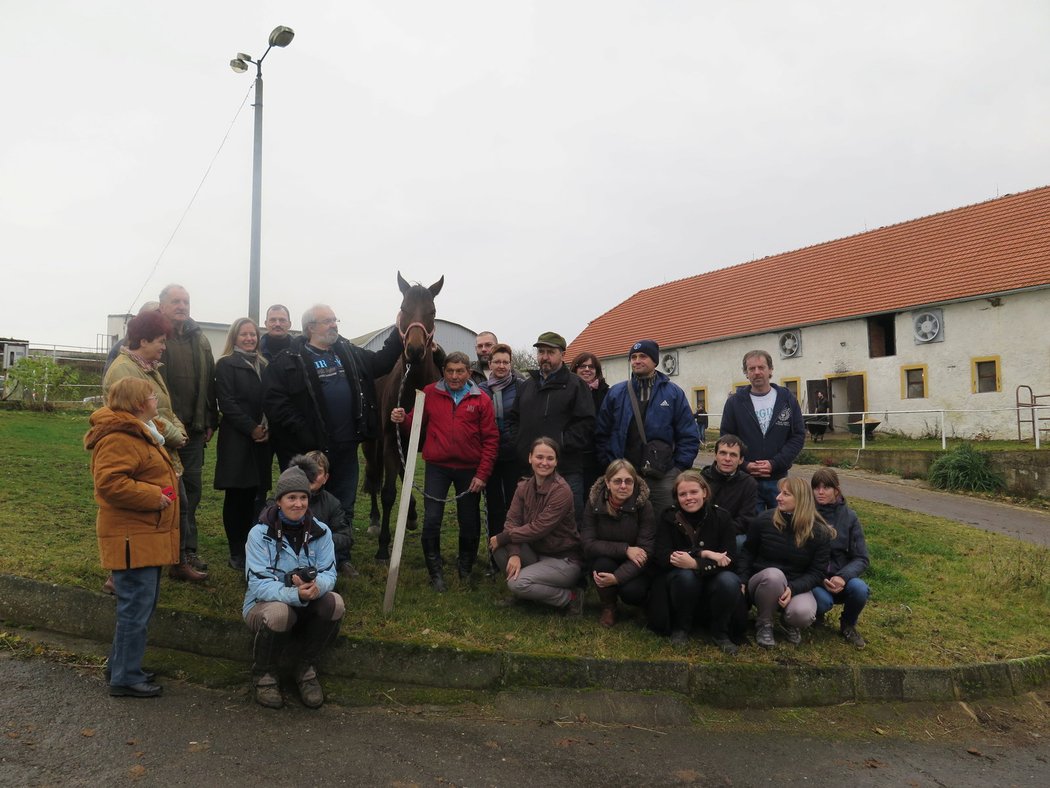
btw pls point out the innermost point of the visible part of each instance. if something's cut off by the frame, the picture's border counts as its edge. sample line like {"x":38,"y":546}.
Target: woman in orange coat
{"x":137,"y":524}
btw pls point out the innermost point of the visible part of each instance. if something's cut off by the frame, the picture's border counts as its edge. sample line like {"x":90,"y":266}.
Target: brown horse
{"x":416,"y":368}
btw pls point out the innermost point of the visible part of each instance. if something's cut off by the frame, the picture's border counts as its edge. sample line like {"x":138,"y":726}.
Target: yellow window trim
{"x":973,"y":373}
{"x":905,"y":369}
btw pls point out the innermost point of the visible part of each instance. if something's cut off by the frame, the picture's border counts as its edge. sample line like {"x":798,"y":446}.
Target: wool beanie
{"x":647,"y":346}
{"x":292,"y":480}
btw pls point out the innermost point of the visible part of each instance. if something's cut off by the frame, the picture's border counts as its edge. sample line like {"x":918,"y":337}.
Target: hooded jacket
{"x":849,"y":551}
{"x":667,"y":418}
{"x":459,"y":436}
{"x":609,"y":535}
{"x":784,"y":437}
{"x":268,"y":559}
{"x":130,"y":470}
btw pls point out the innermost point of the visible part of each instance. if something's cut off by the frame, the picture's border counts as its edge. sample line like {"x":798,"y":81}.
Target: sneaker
{"x":268,"y":692}
{"x":346,"y":569}
{"x":793,"y":635}
{"x":727,"y":645}
{"x":679,"y":638}
{"x":852,"y":637}
{"x":764,"y":635}
{"x":310,"y":688}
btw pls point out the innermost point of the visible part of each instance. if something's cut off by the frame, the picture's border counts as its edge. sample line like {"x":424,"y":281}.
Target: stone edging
{"x":90,"y":615}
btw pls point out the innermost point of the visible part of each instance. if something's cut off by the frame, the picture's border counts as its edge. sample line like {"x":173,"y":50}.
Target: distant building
{"x":451,"y":336}
{"x":12,"y":350}
{"x":117,"y":325}
{"x":943,"y":312}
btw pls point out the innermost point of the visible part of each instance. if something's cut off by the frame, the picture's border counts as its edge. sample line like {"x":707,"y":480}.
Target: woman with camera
{"x":137,"y":524}
{"x":695,"y":558}
{"x":290,"y":564}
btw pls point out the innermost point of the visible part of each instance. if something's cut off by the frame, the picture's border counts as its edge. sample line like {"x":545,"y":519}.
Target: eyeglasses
{"x":328,"y":321}
{"x":586,"y":366}
{"x":621,"y":482}
{"x":152,"y":396}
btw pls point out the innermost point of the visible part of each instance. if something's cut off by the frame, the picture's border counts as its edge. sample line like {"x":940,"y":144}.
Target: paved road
{"x":60,"y":728}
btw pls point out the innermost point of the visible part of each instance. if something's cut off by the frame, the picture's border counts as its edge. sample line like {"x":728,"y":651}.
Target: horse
{"x":416,"y":368}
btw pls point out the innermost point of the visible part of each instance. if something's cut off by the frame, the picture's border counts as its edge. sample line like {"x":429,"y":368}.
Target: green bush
{"x":965,"y":468}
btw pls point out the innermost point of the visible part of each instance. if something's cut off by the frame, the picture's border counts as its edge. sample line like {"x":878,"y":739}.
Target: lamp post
{"x":281,"y":36}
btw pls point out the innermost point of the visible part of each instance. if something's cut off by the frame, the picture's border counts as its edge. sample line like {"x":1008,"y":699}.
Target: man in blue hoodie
{"x":769,"y":420}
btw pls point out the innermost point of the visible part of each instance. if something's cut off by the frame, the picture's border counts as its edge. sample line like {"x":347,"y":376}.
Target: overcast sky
{"x":548,"y":158}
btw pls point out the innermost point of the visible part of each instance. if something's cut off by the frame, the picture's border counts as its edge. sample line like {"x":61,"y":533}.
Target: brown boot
{"x":186,"y":572}
{"x":608,"y":600}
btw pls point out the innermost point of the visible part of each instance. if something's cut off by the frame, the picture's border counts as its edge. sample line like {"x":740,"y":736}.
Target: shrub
{"x":806,"y":457}
{"x":965,"y":468}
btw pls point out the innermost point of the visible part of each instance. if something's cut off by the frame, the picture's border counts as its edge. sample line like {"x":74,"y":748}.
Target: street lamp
{"x":280,"y":37}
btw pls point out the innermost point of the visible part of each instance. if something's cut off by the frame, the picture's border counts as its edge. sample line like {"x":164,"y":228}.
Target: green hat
{"x":550,"y":339}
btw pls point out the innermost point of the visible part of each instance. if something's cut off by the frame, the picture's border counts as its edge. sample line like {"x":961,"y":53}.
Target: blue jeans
{"x":767,"y":495}
{"x":342,"y":476}
{"x":853,"y":598}
{"x":137,"y":592}
{"x":436,"y":481}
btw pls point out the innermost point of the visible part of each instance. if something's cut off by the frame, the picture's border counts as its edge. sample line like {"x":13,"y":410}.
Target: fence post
{"x":406,"y":497}
{"x":944,"y":434}
{"x":863,"y":430}
{"x":1035,"y":424}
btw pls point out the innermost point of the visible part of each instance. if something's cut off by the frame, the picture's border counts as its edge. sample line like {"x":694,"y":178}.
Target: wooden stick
{"x":402,"y":508}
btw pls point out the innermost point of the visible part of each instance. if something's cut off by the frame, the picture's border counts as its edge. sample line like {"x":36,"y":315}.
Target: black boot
{"x":468,"y":554}
{"x":266,"y":655}
{"x":432,"y":557}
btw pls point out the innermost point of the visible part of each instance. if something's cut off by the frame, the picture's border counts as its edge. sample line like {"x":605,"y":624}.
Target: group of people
{"x":584,"y":483}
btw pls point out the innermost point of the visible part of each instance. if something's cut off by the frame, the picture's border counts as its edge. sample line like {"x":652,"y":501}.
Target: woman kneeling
{"x":539,"y":548}
{"x":291,"y":573}
{"x":695,"y":556}
{"x":618,"y":531}
{"x":783,"y":560}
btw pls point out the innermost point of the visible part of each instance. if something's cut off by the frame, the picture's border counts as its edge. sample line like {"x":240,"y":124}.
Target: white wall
{"x":1013,"y":331}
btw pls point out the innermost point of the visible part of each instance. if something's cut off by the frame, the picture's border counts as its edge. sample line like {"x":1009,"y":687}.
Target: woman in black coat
{"x":242,"y":464}
{"x":618,"y":531}
{"x":588,"y":368}
{"x":694,"y":558}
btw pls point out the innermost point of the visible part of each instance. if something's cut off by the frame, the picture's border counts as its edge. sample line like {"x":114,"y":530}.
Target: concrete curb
{"x":573,"y":680}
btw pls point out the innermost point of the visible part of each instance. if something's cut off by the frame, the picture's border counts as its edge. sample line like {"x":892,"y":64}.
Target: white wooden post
{"x":406,"y":497}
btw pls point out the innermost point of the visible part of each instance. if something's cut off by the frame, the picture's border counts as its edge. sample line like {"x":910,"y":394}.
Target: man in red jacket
{"x":460,"y":445}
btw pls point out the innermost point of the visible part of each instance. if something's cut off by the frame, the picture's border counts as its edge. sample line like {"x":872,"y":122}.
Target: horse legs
{"x":373,"y":516}
{"x":389,"y":495}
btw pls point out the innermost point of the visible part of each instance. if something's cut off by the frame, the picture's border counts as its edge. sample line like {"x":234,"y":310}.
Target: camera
{"x":304,"y":573}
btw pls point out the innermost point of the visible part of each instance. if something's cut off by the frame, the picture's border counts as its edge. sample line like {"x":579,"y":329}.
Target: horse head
{"x":415,"y":320}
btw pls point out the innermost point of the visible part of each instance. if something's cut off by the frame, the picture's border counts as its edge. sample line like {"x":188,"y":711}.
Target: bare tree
{"x":524,"y":359}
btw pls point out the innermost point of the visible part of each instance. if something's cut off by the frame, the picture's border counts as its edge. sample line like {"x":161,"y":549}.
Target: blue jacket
{"x":266,"y":565}
{"x":784,"y":437}
{"x":668,"y":418}
{"x":849,"y":551}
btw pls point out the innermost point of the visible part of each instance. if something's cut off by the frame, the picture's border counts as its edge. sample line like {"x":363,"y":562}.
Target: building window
{"x":791,"y":384}
{"x":882,"y":336}
{"x":984,"y":373}
{"x":913,"y":382}
{"x":700,"y":397}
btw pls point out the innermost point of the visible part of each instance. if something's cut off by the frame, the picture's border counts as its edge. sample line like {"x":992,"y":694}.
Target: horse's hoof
{"x":374,"y":521}
{"x":412,"y":524}
{"x":382,"y":555}
{"x":373,"y":530}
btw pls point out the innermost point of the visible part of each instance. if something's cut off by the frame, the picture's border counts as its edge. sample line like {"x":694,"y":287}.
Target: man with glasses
{"x":320,"y":395}
{"x":276,"y":338}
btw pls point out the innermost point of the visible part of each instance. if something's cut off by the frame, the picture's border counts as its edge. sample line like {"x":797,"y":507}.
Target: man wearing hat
{"x":553,"y":402}
{"x":671,"y":439}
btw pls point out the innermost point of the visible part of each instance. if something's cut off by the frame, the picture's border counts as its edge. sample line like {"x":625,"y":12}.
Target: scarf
{"x":594,"y":383}
{"x":496,"y":387}
{"x":253,"y":358}
{"x":155,"y":432}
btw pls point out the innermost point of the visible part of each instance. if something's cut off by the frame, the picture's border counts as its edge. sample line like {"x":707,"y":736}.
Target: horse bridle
{"x":428,"y":336}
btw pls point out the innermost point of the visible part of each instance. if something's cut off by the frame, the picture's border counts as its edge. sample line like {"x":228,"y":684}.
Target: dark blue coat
{"x":784,"y":437}
{"x":667,"y":418}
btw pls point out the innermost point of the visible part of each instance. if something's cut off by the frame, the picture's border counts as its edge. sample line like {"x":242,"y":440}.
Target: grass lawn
{"x":942,"y":593}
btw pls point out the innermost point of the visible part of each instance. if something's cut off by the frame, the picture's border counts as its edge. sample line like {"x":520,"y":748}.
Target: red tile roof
{"x":992,"y":247}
